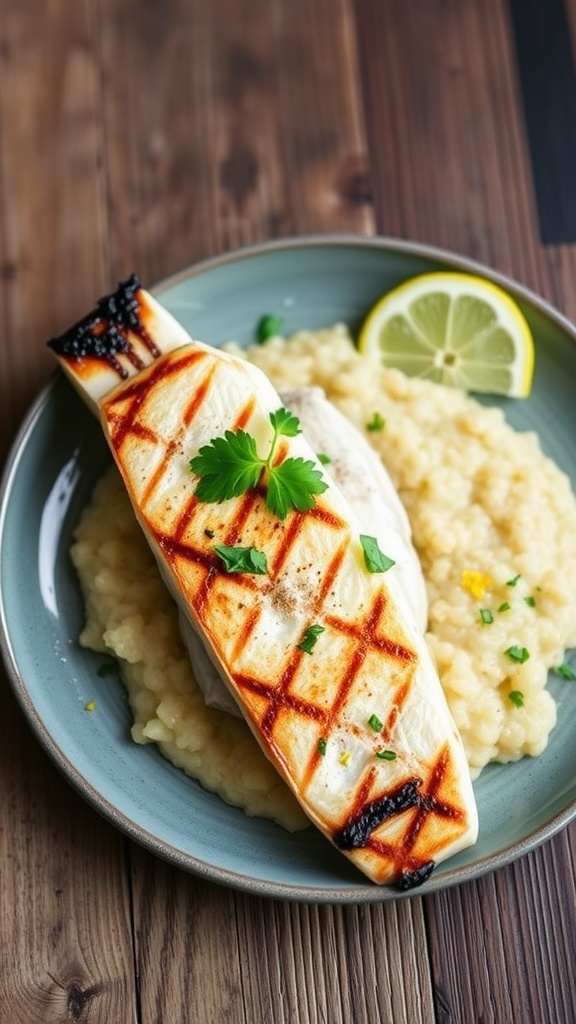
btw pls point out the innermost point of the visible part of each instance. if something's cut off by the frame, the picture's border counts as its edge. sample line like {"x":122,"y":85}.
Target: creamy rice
{"x":482,"y":500}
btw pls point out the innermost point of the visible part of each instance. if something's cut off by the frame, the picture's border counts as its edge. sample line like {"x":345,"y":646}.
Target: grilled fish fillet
{"x":359,"y":727}
{"x":356,"y":469}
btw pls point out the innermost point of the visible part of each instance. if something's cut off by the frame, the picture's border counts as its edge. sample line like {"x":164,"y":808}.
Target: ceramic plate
{"x":55,"y":462}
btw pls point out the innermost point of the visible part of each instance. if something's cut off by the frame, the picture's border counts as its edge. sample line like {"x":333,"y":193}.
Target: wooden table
{"x":146,"y":136}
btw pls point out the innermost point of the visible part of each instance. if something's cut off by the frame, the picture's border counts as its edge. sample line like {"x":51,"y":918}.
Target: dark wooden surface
{"x":142,"y":135}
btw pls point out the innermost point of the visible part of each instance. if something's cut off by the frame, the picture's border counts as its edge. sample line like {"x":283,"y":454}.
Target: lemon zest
{"x":476,"y":583}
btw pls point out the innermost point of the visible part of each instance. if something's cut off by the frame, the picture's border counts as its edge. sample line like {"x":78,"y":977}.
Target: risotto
{"x":493,"y":521}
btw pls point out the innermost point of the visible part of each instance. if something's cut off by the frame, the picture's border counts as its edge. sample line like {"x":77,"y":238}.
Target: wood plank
{"x":50,"y":151}
{"x":447,"y":142}
{"x":186,"y":945}
{"x":521,"y":930}
{"x":213,"y":139}
{"x":349,"y":965}
{"x":65,"y":933}
{"x":65,"y":937}
{"x":231,"y":956}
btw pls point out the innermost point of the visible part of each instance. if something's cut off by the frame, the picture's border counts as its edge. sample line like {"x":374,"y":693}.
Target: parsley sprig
{"x":230,"y":466}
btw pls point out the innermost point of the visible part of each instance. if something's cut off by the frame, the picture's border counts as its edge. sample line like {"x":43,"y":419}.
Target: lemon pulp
{"x":455,"y":329}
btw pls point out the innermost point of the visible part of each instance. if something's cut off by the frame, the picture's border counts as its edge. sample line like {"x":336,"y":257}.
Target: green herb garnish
{"x":324,"y":459}
{"x":322,"y":747}
{"x":518,"y":654}
{"x":513,"y":581}
{"x":376,"y":423}
{"x":248,"y":560}
{"x":486,"y":616}
{"x":268,"y":327}
{"x":230,"y":466}
{"x":517,"y":698}
{"x":386,"y":755}
{"x":565,"y":671}
{"x":309,"y":639}
{"x":375,"y":723}
{"x":530,"y":601}
{"x":374,"y":559}
{"x":505,"y":607}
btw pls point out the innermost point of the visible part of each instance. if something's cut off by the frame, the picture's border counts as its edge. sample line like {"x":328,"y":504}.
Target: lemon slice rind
{"x":499,"y":358}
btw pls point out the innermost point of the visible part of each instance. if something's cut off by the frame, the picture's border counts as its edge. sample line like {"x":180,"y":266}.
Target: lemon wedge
{"x":455,"y":329}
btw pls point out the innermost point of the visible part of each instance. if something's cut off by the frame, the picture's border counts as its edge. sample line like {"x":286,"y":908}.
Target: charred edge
{"x":412,"y":879}
{"x":357,"y":832}
{"x":102,"y":334}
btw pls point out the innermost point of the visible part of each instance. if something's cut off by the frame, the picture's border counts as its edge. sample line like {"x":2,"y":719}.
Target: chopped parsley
{"x":268,"y":327}
{"x":375,"y":723}
{"x":486,"y":616}
{"x":322,"y":747}
{"x":505,"y":607}
{"x":230,"y":466}
{"x":248,"y":560}
{"x":530,"y":601}
{"x":386,"y":755}
{"x":308,"y":641}
{"x":565,"y":671}
{"x":323,"y":458}
{"x":517,"y":654}
{"x":517,"y":698}
{"x":376,"y":424}
{"x":514,"y":581}
{"x":374,"y":559}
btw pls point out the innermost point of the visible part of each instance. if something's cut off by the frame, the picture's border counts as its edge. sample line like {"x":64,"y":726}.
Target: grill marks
{"x":430,"y":804}
{"x":199,"y":601}
{"x":198,"y":398}
{"x":366,"y":818}
{"x":411,"y":797}
{"x":122,"y":411}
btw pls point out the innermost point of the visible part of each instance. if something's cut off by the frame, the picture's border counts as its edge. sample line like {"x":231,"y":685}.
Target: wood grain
{"x":226,"y":149}
{"x":521,"y":953}
{"x":447,"y":139}
{"x":65,"y":934}
{"x":51,"y":236}
{"x":233,"y":957}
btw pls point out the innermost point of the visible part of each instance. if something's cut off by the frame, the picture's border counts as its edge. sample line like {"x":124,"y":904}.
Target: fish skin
{"x":394,"y":819}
